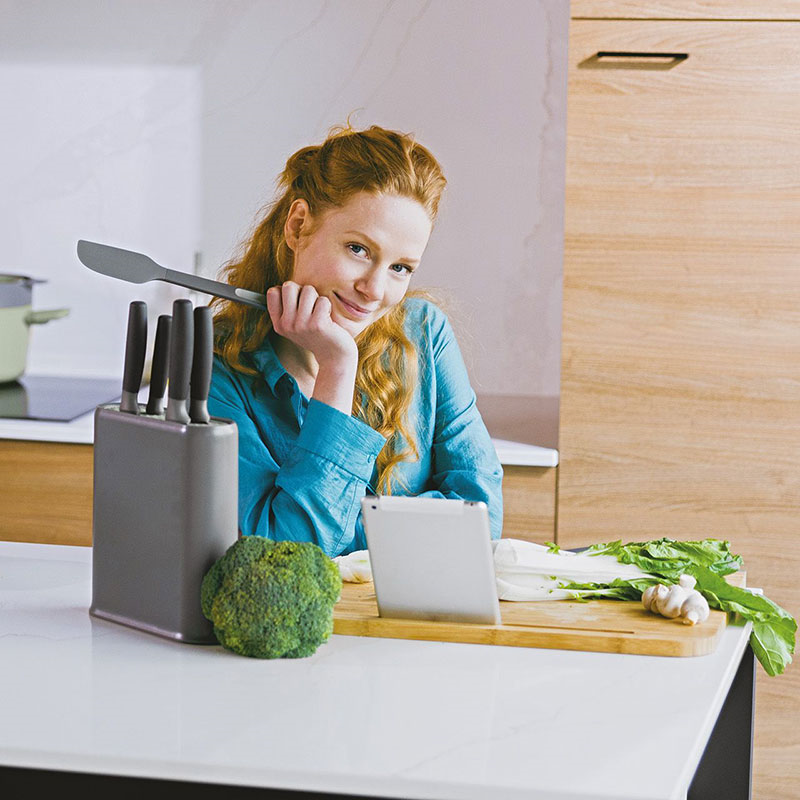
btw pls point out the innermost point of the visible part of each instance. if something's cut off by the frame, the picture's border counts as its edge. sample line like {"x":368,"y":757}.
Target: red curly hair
{"x":327,"y":176}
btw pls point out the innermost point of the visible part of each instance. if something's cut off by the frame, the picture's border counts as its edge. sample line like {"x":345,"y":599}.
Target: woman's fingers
{"x":303,"y":316}
{"x":290,"y":293}
{"x":275,"y":306}
{"x":322,"y":310}
{"x":305,"y":303}
{"x":294,"y":308}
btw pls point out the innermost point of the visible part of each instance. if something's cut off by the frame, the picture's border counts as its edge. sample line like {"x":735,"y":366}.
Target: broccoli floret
{"x":271,"y":599}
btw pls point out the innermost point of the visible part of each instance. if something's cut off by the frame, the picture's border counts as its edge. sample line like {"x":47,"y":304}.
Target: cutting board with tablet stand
{"x":607,"y":626}
{"x":433,"y":574}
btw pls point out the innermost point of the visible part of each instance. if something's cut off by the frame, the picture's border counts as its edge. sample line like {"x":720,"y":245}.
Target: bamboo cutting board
{"x":607,"y":626}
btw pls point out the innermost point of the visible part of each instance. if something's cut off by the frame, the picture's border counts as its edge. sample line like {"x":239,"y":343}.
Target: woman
{"x":349,"y":384}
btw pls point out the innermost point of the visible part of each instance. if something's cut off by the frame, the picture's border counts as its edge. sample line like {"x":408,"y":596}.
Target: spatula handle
{"x":217,"y":288}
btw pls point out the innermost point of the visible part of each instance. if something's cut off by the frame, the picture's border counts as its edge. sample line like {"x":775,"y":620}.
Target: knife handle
{"x":180,"y":360}
{"x":202,"y":360}
{"x":135,"y":346}
{"x":158,"y":375}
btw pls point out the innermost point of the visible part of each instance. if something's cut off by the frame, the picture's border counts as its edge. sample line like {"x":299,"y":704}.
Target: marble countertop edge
{"x":81,"y":431}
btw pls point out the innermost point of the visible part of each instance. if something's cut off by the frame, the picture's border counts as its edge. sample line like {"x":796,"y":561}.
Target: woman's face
{"x":361,"y":255}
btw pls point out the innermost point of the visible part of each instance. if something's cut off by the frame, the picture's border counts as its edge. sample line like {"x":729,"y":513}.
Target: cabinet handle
{"x":624,"y":59}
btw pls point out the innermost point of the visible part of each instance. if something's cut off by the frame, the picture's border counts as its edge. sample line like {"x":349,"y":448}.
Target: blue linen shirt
{"x":304,"y":466}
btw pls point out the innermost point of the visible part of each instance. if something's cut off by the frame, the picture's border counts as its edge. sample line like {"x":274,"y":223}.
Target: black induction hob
{"x":55,"y":398}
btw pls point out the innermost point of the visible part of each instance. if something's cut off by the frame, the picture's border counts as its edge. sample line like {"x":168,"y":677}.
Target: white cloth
{"x":355,"y":567}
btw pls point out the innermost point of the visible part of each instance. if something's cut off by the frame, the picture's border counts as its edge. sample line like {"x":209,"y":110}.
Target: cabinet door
{"x":45,"y":492}
{"x":680,"y":404}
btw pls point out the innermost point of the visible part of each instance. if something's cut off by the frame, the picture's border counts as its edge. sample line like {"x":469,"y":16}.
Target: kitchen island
{"x":362,"y":716}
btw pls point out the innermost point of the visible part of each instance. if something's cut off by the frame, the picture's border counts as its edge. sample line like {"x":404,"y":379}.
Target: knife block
{"x":165,"y":509}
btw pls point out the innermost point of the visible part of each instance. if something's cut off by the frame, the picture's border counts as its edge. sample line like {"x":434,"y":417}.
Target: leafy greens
{"x":708,"y":561}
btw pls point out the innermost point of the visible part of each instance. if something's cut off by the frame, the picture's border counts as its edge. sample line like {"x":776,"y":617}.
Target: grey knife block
{"x":165,"y":508}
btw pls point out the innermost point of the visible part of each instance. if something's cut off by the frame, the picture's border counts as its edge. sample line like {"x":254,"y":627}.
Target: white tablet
{"x":431,"y":558}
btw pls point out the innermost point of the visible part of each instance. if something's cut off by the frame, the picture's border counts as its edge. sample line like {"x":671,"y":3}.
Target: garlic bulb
{"x":669,"y":605}
{"x":695,"y":609}
{"x":679,"y":600}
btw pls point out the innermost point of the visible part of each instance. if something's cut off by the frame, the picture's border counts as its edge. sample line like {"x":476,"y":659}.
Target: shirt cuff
{"x":344,"y":440}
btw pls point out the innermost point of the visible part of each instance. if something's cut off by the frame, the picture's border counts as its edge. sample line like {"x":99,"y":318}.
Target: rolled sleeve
{"x":295,"y":485}
{"x":348,"y":443}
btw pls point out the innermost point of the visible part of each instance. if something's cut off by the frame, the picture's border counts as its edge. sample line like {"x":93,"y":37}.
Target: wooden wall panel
{"x":687,"y":9}
{"x":680,"y":405}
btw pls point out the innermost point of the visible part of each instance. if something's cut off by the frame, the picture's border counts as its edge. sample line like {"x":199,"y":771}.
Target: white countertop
{"x":81,"y":431}
{"x":385,"y":717}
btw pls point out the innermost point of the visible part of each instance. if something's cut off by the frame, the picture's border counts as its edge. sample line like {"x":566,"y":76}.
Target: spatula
{"x":139,"y":268}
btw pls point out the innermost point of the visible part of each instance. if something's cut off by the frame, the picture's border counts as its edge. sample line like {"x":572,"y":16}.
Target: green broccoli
{"x":271,"y":599}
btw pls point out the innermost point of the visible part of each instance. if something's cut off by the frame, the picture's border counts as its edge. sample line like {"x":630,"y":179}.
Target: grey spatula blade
{"x":117,"y":263}
{"x":133,"y":267}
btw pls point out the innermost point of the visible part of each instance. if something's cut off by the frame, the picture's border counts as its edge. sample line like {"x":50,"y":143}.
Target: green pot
{"x":16,"y":317}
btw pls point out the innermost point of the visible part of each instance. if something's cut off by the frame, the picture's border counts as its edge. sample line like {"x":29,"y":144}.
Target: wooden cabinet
{"x":46,"y":495}
{"x":529,"y":493}
{"x":680,"y":404}
{"x":529,"y":503}
{"x":46,"y":492}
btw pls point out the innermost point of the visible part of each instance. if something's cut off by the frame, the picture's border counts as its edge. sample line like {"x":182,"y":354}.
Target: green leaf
{"x":773,"y":645}
{"x":552,"y":547}
{"x":669,"y":557}
{"x":774,"y":629}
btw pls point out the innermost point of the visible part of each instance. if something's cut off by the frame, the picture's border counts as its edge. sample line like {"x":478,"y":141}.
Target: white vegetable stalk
{"x":530,"y":571}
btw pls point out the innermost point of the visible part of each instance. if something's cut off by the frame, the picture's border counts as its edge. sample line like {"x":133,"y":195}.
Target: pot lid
{"x":16,"y":290}
{"x":8,"y":277}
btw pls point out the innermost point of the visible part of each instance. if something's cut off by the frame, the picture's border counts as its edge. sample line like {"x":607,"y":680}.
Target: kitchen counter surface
{"x":383,"y":717}
{"x":81,"y":431}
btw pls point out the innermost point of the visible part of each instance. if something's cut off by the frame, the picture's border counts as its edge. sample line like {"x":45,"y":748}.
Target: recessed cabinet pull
{"x":626,"y":59}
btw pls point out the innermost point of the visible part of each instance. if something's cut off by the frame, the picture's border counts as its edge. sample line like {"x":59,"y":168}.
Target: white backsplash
{"x":105,"y":153}
{"x":161,"y":128}
{"x":482,"y":84}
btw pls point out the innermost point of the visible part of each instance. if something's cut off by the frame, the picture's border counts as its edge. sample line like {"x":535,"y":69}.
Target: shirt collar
{"x":268,"y":364}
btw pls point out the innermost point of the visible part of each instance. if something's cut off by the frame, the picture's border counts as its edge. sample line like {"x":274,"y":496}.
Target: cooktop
{"x":55,"y":398}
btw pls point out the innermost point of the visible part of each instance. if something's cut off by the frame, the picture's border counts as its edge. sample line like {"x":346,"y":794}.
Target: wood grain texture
{"x":687,"y":9}
{"x":680,"y":405}
{"x":606,"y":626}
{"x":46,"y":495}
{"x":529,"y":503}
{"x":46,"y":492}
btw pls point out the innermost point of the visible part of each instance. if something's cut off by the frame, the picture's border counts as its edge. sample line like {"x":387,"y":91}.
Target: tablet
{"x":431,"y":558}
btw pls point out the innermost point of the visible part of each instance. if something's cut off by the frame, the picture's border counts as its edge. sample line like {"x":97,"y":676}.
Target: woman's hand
{"x":304,"y":317}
